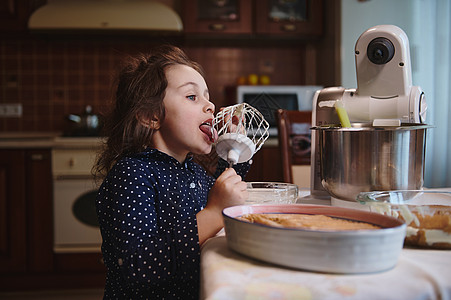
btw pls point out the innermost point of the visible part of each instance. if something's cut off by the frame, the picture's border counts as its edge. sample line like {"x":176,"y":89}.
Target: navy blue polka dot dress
{"x":147,"y":208}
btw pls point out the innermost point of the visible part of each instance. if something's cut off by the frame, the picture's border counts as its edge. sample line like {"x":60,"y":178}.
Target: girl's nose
{"x":210,"y":107}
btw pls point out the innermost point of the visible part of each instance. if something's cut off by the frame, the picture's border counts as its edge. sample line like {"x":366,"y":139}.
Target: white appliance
{"x":76,"y":227}
{"x":267,"y":99}
{"x":385,"y":95}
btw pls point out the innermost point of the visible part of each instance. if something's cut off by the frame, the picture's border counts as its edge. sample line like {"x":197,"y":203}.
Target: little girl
{"x":156,"y":207}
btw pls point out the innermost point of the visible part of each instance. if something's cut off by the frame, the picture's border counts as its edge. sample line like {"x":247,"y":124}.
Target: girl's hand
{"x":233,"y":123}
{"x":229,"y":190}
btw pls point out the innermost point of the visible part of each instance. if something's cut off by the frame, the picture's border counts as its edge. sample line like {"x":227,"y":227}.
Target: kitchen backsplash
{"x":53,"y":78}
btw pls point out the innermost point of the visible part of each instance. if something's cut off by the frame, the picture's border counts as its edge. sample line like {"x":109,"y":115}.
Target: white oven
{"x":76,"y":227}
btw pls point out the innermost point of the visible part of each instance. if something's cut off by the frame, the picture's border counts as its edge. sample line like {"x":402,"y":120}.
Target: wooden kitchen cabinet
{"x":39,"y":201}
{"x":25,"y":211}
{"x":265,"y":18}
{"x":27,"y":258}
{"x":266,"y":165}
{"x":289,"y":18}
{"x":217,"y":16}
{"x":14,"y":14}
{"x":12,"y":212}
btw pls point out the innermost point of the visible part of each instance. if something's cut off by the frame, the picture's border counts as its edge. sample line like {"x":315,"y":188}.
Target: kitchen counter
{"x":23,"y":140}
{"x":77,"y":142}
{"x":271,"y":142}
{"x":28,"y":140}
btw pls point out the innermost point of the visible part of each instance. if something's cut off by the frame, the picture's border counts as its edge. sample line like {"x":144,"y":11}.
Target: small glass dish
{"x":272,"y":193}
{"x":427,"y":214}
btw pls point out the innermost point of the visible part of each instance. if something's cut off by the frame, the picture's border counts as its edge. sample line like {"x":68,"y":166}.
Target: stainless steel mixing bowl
{"x":365,"y":158}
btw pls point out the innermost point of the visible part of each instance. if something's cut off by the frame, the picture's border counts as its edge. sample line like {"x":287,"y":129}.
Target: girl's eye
{"x":192,"y":97}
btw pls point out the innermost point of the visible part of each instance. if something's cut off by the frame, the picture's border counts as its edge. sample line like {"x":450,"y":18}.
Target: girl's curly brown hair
{"x":140,"y":90}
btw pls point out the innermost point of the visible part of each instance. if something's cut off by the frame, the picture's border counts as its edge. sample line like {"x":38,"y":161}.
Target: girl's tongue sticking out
{"x":209,"y":131}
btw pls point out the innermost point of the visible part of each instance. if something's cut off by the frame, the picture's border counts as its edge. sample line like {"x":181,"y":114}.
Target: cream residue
{"x":432,"y":235}
{"x":404,"y":211}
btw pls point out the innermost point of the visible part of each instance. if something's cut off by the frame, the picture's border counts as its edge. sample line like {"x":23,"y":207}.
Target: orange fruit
{"x":252,"y":79}
{"x":264,"y":80}
{"x":241,"y":80}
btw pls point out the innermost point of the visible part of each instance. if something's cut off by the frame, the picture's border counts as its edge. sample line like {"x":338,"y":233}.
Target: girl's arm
{"x":228,"y":190}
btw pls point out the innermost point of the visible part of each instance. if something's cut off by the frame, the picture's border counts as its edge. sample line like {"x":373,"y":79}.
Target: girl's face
{"x":189,"y":112}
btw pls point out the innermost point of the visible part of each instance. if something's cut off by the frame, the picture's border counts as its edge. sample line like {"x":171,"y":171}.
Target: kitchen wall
{"x":358,"y":16}
{"x":224,"y":65}
{"x":56,"y":75}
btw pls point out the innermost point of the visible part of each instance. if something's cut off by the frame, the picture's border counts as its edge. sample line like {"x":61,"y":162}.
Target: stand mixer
{"x":385,"y":100}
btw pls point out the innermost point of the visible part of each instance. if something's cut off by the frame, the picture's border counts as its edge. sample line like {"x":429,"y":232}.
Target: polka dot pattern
{"x":147,"y":208}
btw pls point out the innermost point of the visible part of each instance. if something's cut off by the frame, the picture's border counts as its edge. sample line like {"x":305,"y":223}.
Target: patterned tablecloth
{"x":226,"y":275}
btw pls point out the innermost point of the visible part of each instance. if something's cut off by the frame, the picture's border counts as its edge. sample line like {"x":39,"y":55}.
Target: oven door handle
{"x":73,"y":176}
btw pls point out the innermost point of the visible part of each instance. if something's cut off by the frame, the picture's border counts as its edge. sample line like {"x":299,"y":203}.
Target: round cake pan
{"x":349,"y":252}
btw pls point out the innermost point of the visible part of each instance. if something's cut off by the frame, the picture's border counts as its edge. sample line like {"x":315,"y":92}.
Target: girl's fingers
{"x":228,"y":172}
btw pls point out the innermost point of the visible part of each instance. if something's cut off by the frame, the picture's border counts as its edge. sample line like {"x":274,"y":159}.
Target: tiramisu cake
{"x":427,"y":226}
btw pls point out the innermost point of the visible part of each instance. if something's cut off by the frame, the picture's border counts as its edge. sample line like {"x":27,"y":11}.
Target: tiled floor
{"x":55,"y":295}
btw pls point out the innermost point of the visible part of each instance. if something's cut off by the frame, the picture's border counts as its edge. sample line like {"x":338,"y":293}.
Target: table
{"x":225,"y":275}
{"x":419,"y":274}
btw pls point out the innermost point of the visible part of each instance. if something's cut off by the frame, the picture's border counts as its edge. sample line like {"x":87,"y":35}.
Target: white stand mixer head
{"x":242,"y":130}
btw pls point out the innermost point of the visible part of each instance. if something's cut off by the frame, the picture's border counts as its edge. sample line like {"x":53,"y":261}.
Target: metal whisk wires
{"x":242,"y":131}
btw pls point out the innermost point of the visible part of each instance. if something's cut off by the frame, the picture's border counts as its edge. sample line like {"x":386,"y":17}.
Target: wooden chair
{"x":294,"y":144}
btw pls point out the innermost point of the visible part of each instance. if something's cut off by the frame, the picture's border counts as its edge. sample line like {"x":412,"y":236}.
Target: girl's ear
{"x":154,"y":124}
{"x":146,"y":122}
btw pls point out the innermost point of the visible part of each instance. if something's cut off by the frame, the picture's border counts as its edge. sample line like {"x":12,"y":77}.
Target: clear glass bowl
{"x":272,"y":193}
{"x":427,"y":214}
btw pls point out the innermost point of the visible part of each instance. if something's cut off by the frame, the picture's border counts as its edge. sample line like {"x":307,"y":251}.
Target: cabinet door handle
{"x":71,"y":162}
{"x":37,"y":157}
{"x":217,"y":27}
{"x":289,"y":27}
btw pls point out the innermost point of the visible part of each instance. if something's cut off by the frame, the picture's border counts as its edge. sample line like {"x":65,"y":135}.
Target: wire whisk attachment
{"x":242,"y":131}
